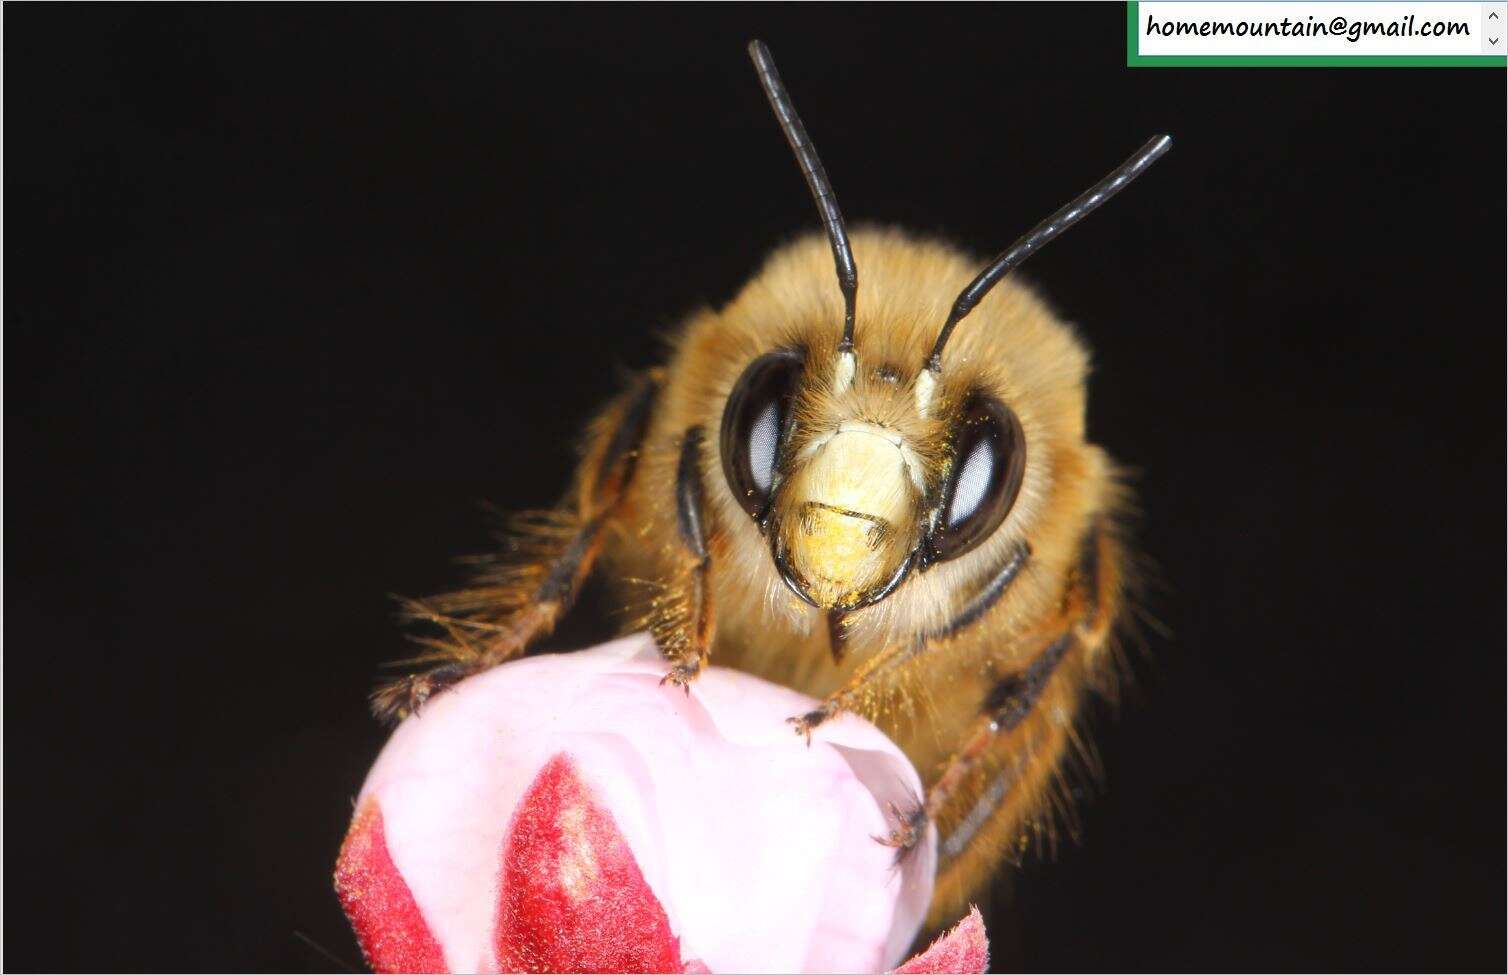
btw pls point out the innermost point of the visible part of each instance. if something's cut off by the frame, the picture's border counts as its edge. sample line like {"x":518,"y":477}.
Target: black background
{"x":290,"y":291}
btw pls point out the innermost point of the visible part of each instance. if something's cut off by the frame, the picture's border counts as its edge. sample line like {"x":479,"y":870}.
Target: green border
{"x":1134,"y":59}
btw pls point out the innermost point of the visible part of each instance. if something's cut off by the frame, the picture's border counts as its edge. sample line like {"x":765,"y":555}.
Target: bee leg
{"x":909,"y":826}
{"x":888,"y":661}
{"x":523,"y":596}
{"x":990,"y":798}
{"x":995,"y":788}
{"x":684,"y":634}
{"x":400,"y":698}
{"x":1007,"y":705}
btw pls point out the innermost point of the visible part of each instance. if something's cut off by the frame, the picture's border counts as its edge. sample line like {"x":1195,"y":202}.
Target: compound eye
{"x":988,"y":463}
{"x":754,"y":422}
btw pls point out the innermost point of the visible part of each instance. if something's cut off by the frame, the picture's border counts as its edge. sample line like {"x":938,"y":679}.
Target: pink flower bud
{"x":568,"y":813}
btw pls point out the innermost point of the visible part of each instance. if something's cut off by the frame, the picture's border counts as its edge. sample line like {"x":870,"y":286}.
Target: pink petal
{"x":963,"y":949}
{"x":572,"y":896}
{"x":393,"y":934}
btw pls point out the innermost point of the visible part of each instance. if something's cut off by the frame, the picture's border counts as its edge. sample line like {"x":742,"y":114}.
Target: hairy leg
{"x":521,"y":594}
{"x":684,"y":626}
{"x":996,"y":791}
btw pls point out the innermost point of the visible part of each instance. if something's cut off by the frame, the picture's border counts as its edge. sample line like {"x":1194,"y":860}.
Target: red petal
{"x":964,"y":949}
{"x":378,"y":903}
{"x":572,"y":898}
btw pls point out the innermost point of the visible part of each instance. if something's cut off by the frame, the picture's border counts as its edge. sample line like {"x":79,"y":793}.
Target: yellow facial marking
{"x":854,"y":501}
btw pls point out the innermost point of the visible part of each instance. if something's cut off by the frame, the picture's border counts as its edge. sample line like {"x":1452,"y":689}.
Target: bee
{"x":874,"y":488}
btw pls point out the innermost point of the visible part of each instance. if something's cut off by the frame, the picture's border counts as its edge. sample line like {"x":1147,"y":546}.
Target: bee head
{"x":852,"y":487}
{"x":859,"y":462}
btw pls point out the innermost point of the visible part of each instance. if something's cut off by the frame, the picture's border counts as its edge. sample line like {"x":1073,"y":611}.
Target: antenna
{"x":817,"y":182}
{"x":1029,"y":243}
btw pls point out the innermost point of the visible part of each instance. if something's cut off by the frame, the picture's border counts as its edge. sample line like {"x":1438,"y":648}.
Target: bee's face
{"x":852,"y":486}
{"x":834,"y":479}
